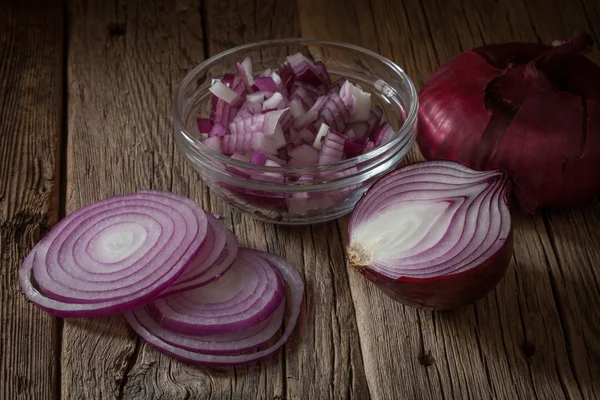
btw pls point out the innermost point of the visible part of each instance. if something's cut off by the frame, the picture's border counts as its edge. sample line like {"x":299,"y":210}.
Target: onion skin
{"x":528,"y":109}
{"x":446,"y":292}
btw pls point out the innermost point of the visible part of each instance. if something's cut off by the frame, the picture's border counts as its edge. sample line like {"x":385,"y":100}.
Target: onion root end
{"x":358,"y":256}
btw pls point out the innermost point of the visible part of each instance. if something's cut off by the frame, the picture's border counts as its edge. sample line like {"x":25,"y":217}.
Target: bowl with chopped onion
{"x":294,"y":131}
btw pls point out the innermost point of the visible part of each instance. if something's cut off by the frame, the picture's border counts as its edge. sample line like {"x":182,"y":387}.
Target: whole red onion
{"x":529,"y":109}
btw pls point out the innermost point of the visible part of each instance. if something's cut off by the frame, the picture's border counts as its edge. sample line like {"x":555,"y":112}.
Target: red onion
{"x":529,"y":109}
{"x":208,"y":350}
{"x":114,"y":254}
{"x":433,"y":234}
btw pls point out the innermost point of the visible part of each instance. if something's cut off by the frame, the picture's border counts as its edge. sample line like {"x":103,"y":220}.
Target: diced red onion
{"x":266,"y":84}
{"x":357,"y":101}
{"x":204,"y":125}
{"x":355,"y":147}
{"x":244,"y":71}
{"x":384,"y":134}
{"x":228,"y":80}
{"x":218,"y":130}
{"x":308,"y":134}
{"x":303,"y":156}
{"x":296,"y":108}
{"x":311,"y":115}
{"x":214,"y":143}
{"x":257,"y":97}
{"x":318,"y":141}
{"x":247,"y":142}
{"x":332,"y":150}
{"x":258,"y":158}
{"x":323,"y":73}
{"x":273,"y":102}
{"x":337,"y":85}
{"x":305,"y":71}
{"x":241,"y":157}
{"x":226,"y":94}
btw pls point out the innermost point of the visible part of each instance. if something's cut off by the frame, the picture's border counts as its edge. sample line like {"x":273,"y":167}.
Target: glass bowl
{"x":298,"y":196}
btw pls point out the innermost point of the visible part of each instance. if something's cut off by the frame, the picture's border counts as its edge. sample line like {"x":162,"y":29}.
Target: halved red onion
{"x":194,"y":352}
{"x":212,"y":261}
{"x":433,"y":234}
{"x":243,"y":297}
{"x":114,"y":254}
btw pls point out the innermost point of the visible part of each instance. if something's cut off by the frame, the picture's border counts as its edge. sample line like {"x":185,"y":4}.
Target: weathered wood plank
{"x":515,"y":343}
{"x":31,"y":104}
{"x":125,"y":60}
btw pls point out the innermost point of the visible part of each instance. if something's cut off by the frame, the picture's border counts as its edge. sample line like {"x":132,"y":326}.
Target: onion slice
{"x":243,"y":297}
{"x":206,"y":269}
{"x":113,"y":255}
{"x":157,"y":339}
{"x":236,"y":342}
{"x":433,"y":234}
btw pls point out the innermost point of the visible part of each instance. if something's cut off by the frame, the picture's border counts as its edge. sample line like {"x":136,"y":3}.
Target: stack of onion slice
{"x":433,"y":234}
{"x":226,"y":322}
{"x":175,"y":271}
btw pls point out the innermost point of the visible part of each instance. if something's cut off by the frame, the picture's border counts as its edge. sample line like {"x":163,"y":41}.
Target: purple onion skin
{"x":526,"y":108}
{"x":450,"y":291}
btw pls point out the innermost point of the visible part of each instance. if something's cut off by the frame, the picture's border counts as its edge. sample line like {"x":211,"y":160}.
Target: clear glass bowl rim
{"x":405,"y":129}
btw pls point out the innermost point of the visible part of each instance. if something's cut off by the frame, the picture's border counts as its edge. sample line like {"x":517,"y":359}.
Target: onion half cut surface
{"x":224,"y":349}
{"x":433,"y":234}
{"x":114,"y":255}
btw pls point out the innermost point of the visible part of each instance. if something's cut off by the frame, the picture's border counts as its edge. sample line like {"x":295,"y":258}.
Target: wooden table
{"x":85,"y":100}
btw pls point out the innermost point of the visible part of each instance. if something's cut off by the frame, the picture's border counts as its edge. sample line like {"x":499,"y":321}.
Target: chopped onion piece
{"x":361,"y":102}
{"x":273,"y":102}
{"x":257,"y":97}
{"x":323,"y":130}
{"x":197,"y":354}
{"x":226,"y":94}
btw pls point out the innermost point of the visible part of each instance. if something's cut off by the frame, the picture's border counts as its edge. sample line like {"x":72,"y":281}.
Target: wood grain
{"x":534,"y":337}
{"x":530,"y":338}
{"x":31,"y":101}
